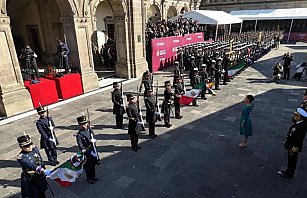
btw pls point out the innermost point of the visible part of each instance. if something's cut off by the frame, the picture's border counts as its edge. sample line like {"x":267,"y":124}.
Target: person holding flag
{"x":33,"y":176}
{"x":86,"y":143}
{"x":48,"y":140}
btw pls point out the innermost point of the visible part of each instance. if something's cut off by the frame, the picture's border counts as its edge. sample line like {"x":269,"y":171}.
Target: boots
{"x":243,"y":144}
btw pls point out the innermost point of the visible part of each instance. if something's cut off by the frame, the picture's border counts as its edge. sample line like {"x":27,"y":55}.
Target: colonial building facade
{"x":84,"y":25}
{"x":229,"y":5}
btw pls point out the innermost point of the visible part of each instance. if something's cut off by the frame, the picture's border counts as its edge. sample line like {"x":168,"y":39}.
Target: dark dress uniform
{"x":295,"y":138}
{"x":133,"y":129}
{"x":147,"y":86}
{"x":179,"y":91}
{"x":42,"y":126}
{"x":118,"y":106}
{"x":84,"y":137}
{"x":63,"y":52}
{"x":195,"y":81}
{"x":216,"y":72}
{"x":151,"y":117}
{"x":166,"y":106}
{"x":176,"y":72}
{"x":180,"y":60}
{"x":33,"y":180}
{"x":287,"y":65}
{"x":203,"y":74}
{"x":226,"y":62}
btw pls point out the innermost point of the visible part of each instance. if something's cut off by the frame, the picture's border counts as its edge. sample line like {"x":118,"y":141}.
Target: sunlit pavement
{"x":197,"y":157}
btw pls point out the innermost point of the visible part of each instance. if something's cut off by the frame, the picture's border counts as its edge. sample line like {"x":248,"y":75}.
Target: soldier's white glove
{"x":93,"y":154}
{"x":93,"y":140}
{"x":51,"y":140}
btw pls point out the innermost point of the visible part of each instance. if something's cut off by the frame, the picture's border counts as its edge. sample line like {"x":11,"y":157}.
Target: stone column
{"x":14,"y":98}
{"x":81,"y":41}
{"x":136,"y":38}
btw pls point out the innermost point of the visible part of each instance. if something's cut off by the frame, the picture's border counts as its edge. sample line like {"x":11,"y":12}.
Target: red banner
{"x":164,"y":50}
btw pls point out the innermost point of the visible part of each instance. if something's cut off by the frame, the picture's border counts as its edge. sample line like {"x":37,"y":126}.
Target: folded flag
{"x":233,"y":70}
{"x":70,"y":171}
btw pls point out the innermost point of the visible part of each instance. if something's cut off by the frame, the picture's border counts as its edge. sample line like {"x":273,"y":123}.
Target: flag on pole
{"x":70,"y":171}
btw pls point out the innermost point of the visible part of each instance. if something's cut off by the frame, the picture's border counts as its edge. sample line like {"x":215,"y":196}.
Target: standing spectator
{"x":287,"y":65}
{"x":246,"y":128}
{"x":294,"y":141}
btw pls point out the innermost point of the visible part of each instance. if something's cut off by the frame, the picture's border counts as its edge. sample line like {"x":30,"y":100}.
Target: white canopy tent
{"x":210,"y":17}
{"x":272,"y":14}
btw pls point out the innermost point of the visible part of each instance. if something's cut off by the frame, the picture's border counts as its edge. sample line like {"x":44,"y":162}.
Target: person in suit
{"x":48,"y":140}
{"x":287,"y":65}
{"x":86,"y":143}
{"x":294,"y":141}
{"x":33,"y":176}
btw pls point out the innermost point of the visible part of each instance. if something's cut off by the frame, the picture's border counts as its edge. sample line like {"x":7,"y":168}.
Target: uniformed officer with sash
{"x":48,"y":140}
{"x":33,"y":176}
{"x":86,"y":143}
{"x":134,"y":126}
{"x":151,"y":116}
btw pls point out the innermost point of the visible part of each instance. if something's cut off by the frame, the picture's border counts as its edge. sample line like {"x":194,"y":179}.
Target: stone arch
{"x":171,"y":12}
{"x":153,"y":13}
{"x":115,"y":18}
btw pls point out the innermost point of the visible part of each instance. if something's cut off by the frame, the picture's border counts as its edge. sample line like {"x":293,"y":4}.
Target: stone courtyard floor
{"x":198,"y":157}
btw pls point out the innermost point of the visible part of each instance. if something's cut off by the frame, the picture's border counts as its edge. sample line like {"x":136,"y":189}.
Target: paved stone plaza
{"x":198,"y":157}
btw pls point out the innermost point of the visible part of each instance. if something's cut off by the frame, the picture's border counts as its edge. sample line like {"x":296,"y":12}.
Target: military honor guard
{"x":33,"y":176}
{"x":177,"y":71}
{"x":216,"y":73}
{"x":147,"y":83}
{"x":294,"y":141}
{"x":166,"y":105}
{"x":203,"y":75}
{"x":48,"y":140}
{"x":63,"y":52}
{"x":179,"y":91}
{"x":151,"y":114}
{"x":194,"y":82}
{"x":134,"y":125}
{"x":86,"y":143}
{"x":180,"y":58}
{"x":118,"y":105}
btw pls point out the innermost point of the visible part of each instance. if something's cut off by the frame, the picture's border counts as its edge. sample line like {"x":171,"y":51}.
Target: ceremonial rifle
{"x":51,"y":128}
{"x":139,"y":109}
{"x":92,"y":136}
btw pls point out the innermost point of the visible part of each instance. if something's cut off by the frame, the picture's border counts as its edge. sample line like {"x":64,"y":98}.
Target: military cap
{"x":176,"y":63}
{"x":115,"y":84}
{"x":203,"y":65}
{"x":195,"y":69}
{"x":305,"y":92}
{"x":302,"y":110}
{"x":129,"y":96}
{"x":24,"y":140}
{"x":40,"y":109}
{"x":213,"y":61}
{"x":81,"y":120}
{"x":192,"y":57}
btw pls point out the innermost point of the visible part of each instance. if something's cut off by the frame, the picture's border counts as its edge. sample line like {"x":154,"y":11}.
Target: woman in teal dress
{"x":246,"y":128}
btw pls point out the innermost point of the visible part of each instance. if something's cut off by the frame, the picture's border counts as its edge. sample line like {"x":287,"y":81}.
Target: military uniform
{"x":63,"y":52}
{"x":195,"y":81}
{"x":151,"y":116}
{"x":134,"y":126}
{"x":33,"y":180}
{"x":179,"y":91}
{"x":86,"y":141}
{"x":216,"y":72}
{"x":166,"y":105}
{"x":176,"y":71}
{"x":29,"y":58}
{"x":46,"y":141}
{"x":118,"y":105}
{"x":203,"y":74}
{"x":147,"y":86}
